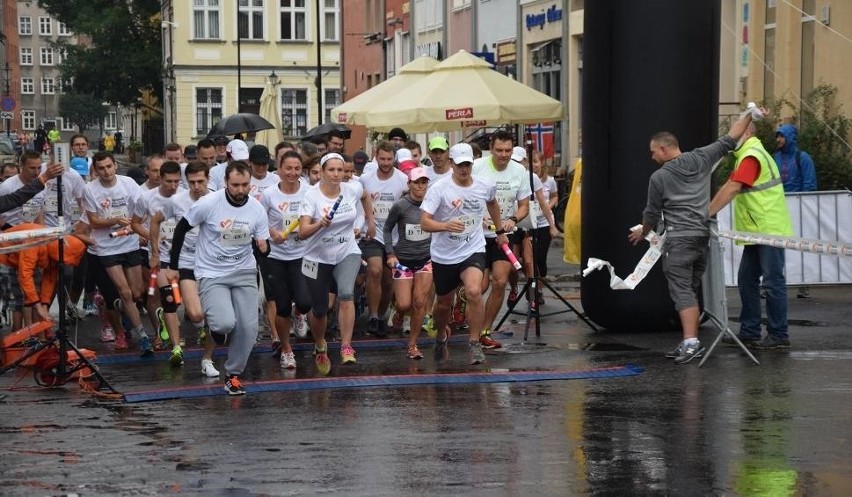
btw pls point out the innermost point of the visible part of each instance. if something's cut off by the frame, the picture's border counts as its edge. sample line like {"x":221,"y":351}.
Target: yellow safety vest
{"x":761,"y":208}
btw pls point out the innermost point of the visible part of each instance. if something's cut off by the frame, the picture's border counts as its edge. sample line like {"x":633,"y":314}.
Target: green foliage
{"x":82,"y":110}
{"x":122,"y":53}
{"x":823,"y":133}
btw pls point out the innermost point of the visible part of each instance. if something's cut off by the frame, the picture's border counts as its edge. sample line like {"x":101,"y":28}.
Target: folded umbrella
{"x":239,"y":123}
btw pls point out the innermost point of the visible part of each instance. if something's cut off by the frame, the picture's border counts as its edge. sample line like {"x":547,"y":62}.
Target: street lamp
{"x":273,"y":78}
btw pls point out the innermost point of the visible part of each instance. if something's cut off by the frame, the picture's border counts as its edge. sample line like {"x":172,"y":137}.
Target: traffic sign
{"x":7,"y":103}
{"x":7,"y":115}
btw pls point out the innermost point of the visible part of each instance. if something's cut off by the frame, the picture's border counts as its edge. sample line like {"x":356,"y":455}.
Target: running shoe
{"x":300,"y":325}
{"x":322,"y":361}
{"x":414,"y":352}
{"x":208,"y":370}
{"x":234,"y":386}
{"x":477,"y":356}
{"x":347,"y":354}
{"x":689,"y":351}
{"x":71,"y":312}
{"x":406,"y":325}
{"x":202,"y":335}
{"x":89,"y":308}
{"x":145,"y":346}
{"x":429,"y":326}
{"x":162,"y":329}
{"x":177,"y":356}
{"x":288,"y":360}
{"x":107,"y":334}
{"x":513,"y":296}
{"x":459,"y":310}
{"x":120,"y":342}
{"x":487,"y":342}
{"x":374,"y":327}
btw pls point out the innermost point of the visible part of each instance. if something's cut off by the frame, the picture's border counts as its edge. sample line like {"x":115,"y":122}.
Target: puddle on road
{"x":807,"y":323}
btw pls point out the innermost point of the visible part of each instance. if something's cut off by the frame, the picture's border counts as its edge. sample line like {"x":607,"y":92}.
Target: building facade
{"x":210,"y":72}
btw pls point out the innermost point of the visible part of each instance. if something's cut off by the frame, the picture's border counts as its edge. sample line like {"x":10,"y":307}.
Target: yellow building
{"x":792,"y":46}
{"x":205,"y":62}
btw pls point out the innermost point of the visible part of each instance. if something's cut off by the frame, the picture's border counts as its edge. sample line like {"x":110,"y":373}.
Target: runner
{"x":230,"y":222}
{"x":453,"y":211}
{"x":284,"y":264}
{"x":326,"y":221}
{"x":412,"y":282}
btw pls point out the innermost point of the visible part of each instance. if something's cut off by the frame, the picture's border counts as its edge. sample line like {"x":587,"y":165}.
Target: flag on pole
{"x":542,"y":136}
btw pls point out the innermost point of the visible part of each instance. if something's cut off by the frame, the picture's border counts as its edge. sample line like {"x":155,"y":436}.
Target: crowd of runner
{"x":414,"y":242}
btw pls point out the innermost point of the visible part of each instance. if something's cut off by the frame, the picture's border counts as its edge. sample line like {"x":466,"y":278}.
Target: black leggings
{"x":287,"y":285}
{"x":98,"y":275}
{"x":543,"y":245}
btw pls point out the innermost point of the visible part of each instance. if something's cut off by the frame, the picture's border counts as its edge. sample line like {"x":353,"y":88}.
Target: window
{"x":65,"y":124}
{"x":390,"y":59}
{"x":769,"y":51}
{"x":46,"y":56}
{"x":294,"y":112}
{"x":294,"y":20}
{"x":208,"y":109}
{"x":26,"y":56}
{"x":28,"y":120}
{"x":47,"y":86}
{"x":25,"y":25}
{"x":205,"y":15}
{"x":331,"y":100}
{"x":27,"y":86}
{"x":331,"y":14}
{"x":62,"y":29}
{"x":250,"y":22}
{"x":61,"y":54}
{"x":45,"y":26}
{"x":808,"y":35}
{"x":110,"y":120}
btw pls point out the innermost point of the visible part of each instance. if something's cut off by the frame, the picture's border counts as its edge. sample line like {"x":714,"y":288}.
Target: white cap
{"x":403,"y":154}
{"x":519,"y":154}
{"x":238,"y":150}
{"x":461,"y":152}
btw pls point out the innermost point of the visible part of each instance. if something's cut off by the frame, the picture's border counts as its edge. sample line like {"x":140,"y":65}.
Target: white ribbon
{"x":652,"y":255}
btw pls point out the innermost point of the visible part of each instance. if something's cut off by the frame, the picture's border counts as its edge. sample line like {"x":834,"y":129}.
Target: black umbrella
{"x":239,"y":123}
{"x":324,"y":129}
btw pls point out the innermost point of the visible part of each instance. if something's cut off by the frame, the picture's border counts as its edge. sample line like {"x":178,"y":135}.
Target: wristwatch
{"x":513,"y":219}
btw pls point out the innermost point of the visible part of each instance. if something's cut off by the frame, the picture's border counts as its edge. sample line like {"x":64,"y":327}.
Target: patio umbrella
{"x":239,"y":123}
{"x":324,"y":129}
{"x":463,"y":91}
{"x":269,"y":111}
{"x":352,"y":111}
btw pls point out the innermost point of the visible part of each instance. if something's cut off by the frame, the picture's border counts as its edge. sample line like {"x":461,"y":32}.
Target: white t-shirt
{"x":445,"y":200}
{"x":549,"y":187}
{"x":150,"y":203}
{"x":370,"y":167}
{"x":383,"y":194}
{"x":118,"y":200}
{"x":435,"y":176}
{"x":330,"y":245}
{"x":283,"y":209}
{"x":513,"y":184}
{"x":26,"y":213}
{"x":72,"y":195}
{"x":535,"y":210}
{"x":258,"y":186}
{"x":216,"y":176}
{"x":225,"y":234}
{"x":173,"y":212}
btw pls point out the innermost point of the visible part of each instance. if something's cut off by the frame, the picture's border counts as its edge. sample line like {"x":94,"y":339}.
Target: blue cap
{"x":81,"y":165}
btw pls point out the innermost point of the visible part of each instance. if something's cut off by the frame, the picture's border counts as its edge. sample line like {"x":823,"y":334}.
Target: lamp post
{"x":273,"y":79}
{"x":319,"y":66}
{"x":239,"y":63}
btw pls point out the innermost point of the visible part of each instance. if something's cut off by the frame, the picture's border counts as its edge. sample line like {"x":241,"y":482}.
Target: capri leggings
{"x":288,"y":286}
{"x":343,"y":274}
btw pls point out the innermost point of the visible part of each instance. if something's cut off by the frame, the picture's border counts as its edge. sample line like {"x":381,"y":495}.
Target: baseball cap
{"x":397,"y":133}
{"x":407,"y":165}
{"x":461,"y":152}
{"x":238,"y":150}
{"x":360,"y":158}
{"x":259,"y":154}
{"x":438,"y":142}
{"x":519,"y":154}
{"x":403,"y":155}
{"x":417,"y":173}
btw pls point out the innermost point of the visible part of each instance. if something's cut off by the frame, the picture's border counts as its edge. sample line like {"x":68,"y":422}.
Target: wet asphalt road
{"x":729,"y":428}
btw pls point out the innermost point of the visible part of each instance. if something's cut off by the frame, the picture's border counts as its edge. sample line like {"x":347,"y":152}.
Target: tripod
{"x":60,"y":373}
{"x":531,"y":287}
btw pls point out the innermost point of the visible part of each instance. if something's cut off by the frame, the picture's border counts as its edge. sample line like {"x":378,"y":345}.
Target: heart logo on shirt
{"x":457,"y":203}
{"x":375,"y":195}
{"x":325,"y":210}
{"x":106,"y":203}
{"x":225,"y":223}
{"x":283,"y":206}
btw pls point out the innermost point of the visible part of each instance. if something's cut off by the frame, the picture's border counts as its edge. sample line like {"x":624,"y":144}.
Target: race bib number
{"x":535,"y":211}
{"x":310,"y":268}
{"x":415,"y":233}
{"x":287,"y":221}
{"x":30,"y":211}
{"x":51,"y":204}
{"x":118,"y":212}
{"x":507,"y":206}
{"x":167,"y":229}
{"x":470,"y":224}
{"x":235,"y":237}
{"x":381,"y":209}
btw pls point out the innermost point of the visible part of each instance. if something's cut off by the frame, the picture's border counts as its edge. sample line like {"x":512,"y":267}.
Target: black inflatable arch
{"x":648,"y":66}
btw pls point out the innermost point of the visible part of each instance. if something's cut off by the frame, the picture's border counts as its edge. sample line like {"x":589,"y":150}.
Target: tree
{"x":122,"y":54}
{"x":82,"y":110}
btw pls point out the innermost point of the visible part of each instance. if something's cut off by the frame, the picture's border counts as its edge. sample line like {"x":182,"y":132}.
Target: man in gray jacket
{"x":679,"y":195}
